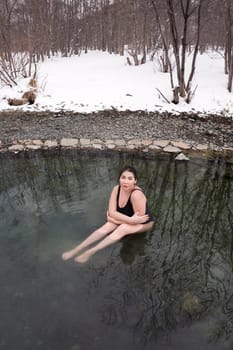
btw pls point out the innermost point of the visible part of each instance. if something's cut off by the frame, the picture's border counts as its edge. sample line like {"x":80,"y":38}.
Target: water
{"x":169,"y":289}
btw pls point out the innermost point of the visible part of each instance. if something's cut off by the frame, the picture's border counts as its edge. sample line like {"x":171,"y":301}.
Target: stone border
{"x":178,"y":149}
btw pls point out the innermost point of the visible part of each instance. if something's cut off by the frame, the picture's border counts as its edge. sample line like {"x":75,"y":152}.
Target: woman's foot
{"x":81,"y":259}
{"x":68,"y":255}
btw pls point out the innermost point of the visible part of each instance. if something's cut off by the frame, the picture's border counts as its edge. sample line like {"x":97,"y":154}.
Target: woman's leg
{"x":95,"y":236}
{"x":120,"y":231}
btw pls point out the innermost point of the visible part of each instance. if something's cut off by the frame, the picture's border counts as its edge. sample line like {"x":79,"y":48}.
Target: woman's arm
{"x":139,"y":216}
{"x":138,"y":200}
{"x":114,"y":221}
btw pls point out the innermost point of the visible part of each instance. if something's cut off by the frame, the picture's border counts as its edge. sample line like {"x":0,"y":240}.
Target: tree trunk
{"x":165,"y":45}
{"x":195,"y":53}
{"x":176,"y":46}
{"x":229,"y":44}
{"x":176,"y":95}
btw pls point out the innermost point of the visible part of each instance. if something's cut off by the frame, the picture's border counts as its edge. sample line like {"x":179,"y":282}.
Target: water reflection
{"x":170,"y":288}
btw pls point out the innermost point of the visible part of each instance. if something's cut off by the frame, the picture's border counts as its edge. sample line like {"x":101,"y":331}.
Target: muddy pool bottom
{"x":168,"y":289}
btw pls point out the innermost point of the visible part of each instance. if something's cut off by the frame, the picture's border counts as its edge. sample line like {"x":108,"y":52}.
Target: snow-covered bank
{"x":97,"y":81}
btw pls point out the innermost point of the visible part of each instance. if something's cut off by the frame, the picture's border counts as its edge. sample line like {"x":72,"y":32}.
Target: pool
{"x":168,"y":289}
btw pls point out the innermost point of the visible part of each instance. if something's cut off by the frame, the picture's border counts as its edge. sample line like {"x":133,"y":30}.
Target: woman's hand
{"x":133,"y":220}
{"x":139,"y":219}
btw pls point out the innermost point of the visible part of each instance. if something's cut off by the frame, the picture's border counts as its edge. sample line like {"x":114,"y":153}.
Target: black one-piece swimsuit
{"x":128,"y":208}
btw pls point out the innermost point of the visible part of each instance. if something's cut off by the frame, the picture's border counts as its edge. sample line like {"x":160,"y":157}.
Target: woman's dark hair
{"x":130,"y":169}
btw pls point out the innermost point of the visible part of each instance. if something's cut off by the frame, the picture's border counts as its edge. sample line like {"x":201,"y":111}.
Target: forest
{"x":32,"y":30}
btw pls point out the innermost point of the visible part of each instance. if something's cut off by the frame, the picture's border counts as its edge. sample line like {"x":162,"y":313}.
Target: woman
{"x":127,"y":214}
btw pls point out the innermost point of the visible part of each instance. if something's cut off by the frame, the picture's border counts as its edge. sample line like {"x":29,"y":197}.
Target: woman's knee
{"x":106,"y":228}
{"x":120,"y":232}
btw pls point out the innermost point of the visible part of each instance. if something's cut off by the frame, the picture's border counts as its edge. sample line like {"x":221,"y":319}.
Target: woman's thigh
{"x":127,"y":229}
{"x":107,"y":227}
{"x":140,"y":227}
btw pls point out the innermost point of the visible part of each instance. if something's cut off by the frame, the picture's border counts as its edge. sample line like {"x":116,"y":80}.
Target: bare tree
{"x":184,"y":17}
{"x":165,"y":42}
{"x":11,"y":64}
{"x":229,"y":43}
{"x":137,"y":30}
{"x":174,"y":28}
{"x":179,"y":43}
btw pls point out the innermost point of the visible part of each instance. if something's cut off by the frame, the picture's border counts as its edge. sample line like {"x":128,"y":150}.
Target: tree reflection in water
{"x":183,"y":269}
{"x":178,"y":275}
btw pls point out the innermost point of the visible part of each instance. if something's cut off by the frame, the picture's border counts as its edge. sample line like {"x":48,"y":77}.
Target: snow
{"x":99,"y":80}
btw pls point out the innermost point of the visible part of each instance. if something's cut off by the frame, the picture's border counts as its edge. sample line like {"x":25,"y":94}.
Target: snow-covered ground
{"x":98,"y":80}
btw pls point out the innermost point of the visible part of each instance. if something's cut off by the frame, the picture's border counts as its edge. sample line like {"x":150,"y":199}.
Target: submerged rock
{"x":191,"y":303}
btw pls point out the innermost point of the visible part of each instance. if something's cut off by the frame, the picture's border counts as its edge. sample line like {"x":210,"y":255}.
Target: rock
{"x":139,"y":128}
{"x":110,"y":145}
{"x":69,"y":142}
{"x":37,"y":142}
{"x":109,"y":142}
{"x":226,"y":149}
{"x":161,"y":143}
{"x":134,"y":142}
{"x":51,"y":143}
{"x":154,"y":147}
{"x":97,"y":146}
{"x":201,"y":147}
{"x":85,"y":142}
{"x":120,"y":142}
{"x":33,"y":147}
{"x":131,"y":147}
{"x":97,"y":141}
{"x":16,"y":148}
{"x":181,"y":144}
{"x":210,"y":133}
{"x":171,"y":149}
{"x":191,"y":303}
{"x":181,"y":156}
{"x":25,"y":142}
{"x":146,"y":142}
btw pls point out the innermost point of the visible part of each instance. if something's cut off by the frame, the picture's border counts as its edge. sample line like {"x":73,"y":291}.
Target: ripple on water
{"x":168,"y":289}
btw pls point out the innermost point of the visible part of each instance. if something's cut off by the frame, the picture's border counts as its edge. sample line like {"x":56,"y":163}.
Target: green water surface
{"x":168,"y":289}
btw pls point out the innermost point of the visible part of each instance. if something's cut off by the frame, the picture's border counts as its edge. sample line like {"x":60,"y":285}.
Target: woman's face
{"x":127,"y":180}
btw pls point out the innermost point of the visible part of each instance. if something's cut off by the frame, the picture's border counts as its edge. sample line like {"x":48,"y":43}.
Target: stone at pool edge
{"x":69,"y":142}
{"x":161,"y":143}
{"x":33,"y":147}
{"x":172,"y":149}
{"x":122,"y":145}
{"x":16,"y":148}
{"x":50,"y":144}
{"x":202,"y":147}
{"x":181,"y":144}
{"x":85,"y":142}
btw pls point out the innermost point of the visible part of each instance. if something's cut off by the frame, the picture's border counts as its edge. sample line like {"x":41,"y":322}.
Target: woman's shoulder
{"x":115,"y":189}
{"x":137,"y":188}
{"x":137,"y":193}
